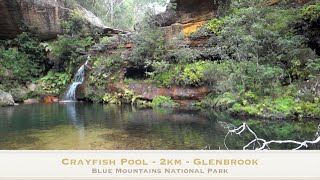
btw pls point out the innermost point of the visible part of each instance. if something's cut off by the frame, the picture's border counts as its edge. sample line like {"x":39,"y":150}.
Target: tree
{"x":123,"y":14}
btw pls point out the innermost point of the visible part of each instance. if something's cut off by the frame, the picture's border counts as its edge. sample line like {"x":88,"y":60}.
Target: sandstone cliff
{"x":186,"y":16}
{"x":43,"y":16}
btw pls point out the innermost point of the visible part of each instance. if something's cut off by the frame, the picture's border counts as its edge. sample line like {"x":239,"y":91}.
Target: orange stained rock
{"x":50,"y":99}
{"x":128,"y":45}
{"x":272,"y":2}
{"x":192,"y":27}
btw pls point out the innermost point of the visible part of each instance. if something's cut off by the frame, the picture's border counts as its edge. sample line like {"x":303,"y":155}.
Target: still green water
{"x":84,"y":126}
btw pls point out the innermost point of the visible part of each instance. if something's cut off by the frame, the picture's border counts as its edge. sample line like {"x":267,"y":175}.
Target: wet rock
{"x":6,"y":99}
{"x":32,"y":87}
{"x":31,"y":101}
{"x":50,"y":99}
{"x":150,"y":91}
{"x":19,"y":94}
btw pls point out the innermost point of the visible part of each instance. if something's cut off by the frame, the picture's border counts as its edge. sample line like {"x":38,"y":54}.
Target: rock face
{"x":187,"y":16}
{"x":9,"y":18}
{"x":6,"y":99}
{"x":150,"y":91}
{"x":42,"y":16}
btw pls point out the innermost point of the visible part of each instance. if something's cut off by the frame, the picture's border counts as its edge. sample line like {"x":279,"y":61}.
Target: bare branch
{"x":262,"y":143}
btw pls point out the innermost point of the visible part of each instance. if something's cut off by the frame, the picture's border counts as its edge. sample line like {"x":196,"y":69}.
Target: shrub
{"x":149,"y":47}
{"x":214,"y":25}
{"x":18,"y":63}
{"x":279,"y":107}
{"x":95,"y":93}
{"x":54,"y":82}
{"x":184,"y":75}
{"x":163,"y":101}
{"x":264,"y":36}
{"x":24,"y":57}
{"x":231,"y":76}
{"x":75,"y":24}
{"x":111,"y":99}
{"x":191,"y":74}
{"x":103,"y":69}
{"x":66,"y":44}
{"x":185,"y":55}
{"x":165,"y":79}
{"x":310,"y":12}
{"x":67,"y":50}
{"x":221,"y":102}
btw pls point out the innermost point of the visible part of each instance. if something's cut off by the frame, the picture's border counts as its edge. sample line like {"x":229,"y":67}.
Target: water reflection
{"x":76,"y":118}
{"x":96,"y":126}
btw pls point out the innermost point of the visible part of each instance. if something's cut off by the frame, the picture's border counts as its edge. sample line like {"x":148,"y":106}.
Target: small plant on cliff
{"x":214,"y":25}
{"x":75,"y":23}
{"x":163,"y":101}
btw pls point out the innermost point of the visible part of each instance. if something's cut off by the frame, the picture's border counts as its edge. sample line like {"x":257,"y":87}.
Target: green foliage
{"x":279,"y":107}
{"x":163,"y":101}
{"x":66,"y":50}
{"x":214,"y":25}
{"x":18,"y":64}
{"x":265,"y":36}
{"x":111,"y":99}
{"x":95,"y":93}
{"x":192,"y":74}
{"x":165,"y":79}
{"x":238,"y":4}
{"x":65,"y":45}
{"x":313,"y":67}
{"x":23,"y":57}
{"x":54,"y":82}
{"x":186,"y":55}
{"x":75,"y":24}
{"x":184,"y":75}
{"x":104,"y":68}
{"x":221,"y":102}
{"x":149,"y":49}
{"x":310,"y":12}
{"x":245,"y":75}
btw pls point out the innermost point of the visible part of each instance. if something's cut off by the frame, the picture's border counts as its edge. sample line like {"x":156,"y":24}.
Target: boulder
{"x":32,"y":87}
{"x":6,"y":99}
{"x":42,"y":16}
{"x":166,"y":18}
{"x":19,"y":94}
{"x":50,"y":99}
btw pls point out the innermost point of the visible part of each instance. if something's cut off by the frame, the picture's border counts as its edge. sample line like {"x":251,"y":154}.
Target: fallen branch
{"x":262,"y":143}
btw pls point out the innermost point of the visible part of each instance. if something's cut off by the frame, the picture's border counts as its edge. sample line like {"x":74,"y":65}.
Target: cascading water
{"x":78,"y":80}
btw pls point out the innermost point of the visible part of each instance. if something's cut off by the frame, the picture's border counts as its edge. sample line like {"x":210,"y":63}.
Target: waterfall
{"x":78,"y":80}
